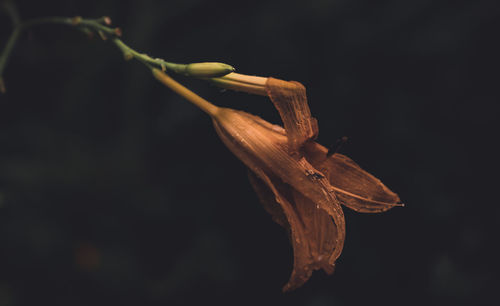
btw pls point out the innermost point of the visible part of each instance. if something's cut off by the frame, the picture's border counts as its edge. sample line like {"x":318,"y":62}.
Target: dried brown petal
{"x":290,"y":100}
{"x":268,"y":200}
{"x":262,"y":147}
{"x":312,"y":232}
{"x":297,"y":183}
{"x":354,"y":187}
{"x":321,"y":233}
{"x":303,"y":193}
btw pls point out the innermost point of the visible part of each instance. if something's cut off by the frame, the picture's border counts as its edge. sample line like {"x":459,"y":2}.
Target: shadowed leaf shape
{"x":312,"y":233}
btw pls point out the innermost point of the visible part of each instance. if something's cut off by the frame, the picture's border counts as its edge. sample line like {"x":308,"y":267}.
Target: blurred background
{"x":115,"y":191}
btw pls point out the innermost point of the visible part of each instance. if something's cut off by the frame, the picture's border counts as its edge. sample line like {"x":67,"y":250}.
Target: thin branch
{"x":11,"y":10}
{"x":100,"y":25}
{"x":11,"y":42}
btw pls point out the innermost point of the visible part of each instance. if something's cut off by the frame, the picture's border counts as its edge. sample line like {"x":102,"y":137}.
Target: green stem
{"x":11,"y":10}
{"x":130,"y":53}
{"x":201,"y":70}
{"x":4,"y":57}
{"x":93,"y":24}
{"x":11,"y":42}
{"x":96,"y":25}
{"x":47,"y":20}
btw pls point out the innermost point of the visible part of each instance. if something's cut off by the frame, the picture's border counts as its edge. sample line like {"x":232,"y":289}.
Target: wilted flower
{"x":297,"y":182}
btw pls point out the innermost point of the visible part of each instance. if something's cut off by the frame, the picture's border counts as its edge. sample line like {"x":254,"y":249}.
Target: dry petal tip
{"x":106,"y":20}
{"x":118,"y":31}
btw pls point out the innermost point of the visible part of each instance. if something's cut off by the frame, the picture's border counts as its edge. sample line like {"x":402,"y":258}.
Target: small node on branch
{"x":118,"y":32}
{"x":106,"y":20}
{"x":128,"y":56}
{"x":103,"y":37}
{"x":87,"y":32}
{"x":76,"y":20}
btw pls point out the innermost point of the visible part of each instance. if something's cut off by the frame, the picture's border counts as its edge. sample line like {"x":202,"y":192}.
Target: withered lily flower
{"x":298,"y":183}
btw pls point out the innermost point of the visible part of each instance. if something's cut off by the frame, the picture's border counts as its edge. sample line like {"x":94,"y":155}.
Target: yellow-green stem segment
{"x":199,"y":70}
{"x":203,"y":104}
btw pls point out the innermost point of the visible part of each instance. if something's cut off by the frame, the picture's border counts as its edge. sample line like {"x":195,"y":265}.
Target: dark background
{"x":115,"y":191}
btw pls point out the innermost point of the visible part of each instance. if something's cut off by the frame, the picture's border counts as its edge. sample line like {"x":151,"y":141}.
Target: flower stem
{"x":95,"y":25}
{"x":100,"y":26}
{"x":203,"y":104}
{"x":240,"y":82}
{"x":4,"y":57}
{"x":130,"y":53}
{"x":11,"y":42}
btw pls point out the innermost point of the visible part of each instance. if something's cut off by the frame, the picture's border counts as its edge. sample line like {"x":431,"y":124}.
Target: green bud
{"x":207,"y":70}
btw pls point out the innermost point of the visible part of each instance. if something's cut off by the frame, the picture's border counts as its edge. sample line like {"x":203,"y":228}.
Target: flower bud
{"x":208,"y":69}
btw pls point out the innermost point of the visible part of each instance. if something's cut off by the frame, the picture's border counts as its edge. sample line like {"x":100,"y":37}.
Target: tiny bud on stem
{"x":128,"y":56}
{"x":76,"y":20}
{"x":103,"y":36}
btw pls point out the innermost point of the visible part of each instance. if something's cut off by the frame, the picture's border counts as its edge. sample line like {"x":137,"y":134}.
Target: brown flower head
{"x":298,"y":184}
